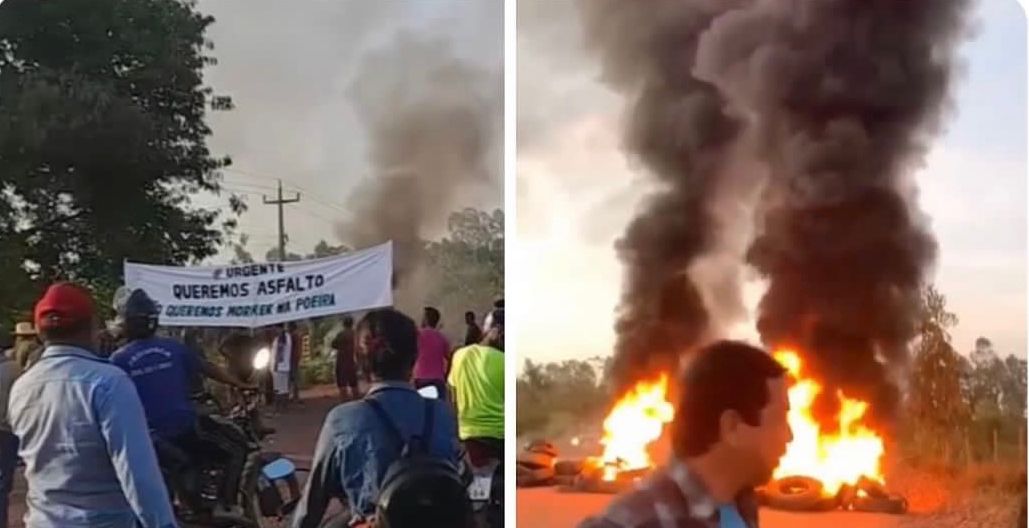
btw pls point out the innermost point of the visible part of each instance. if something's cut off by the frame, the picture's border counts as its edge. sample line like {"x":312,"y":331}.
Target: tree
{"x":103,"y":141}
{"x":552,"y":396}
{"x":468,"y":263}
{"x":322,"y":249}
{"x":1013,"y":401}
{"x":240,"y":253}
{"x":983,"y":375}
{"x":936,"y":402}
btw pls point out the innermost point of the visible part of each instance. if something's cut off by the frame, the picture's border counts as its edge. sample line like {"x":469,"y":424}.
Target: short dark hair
{"x":469,"y":315}
{"x":348,"y":321}
{"x":236,"y":341}
{"x":431,"y":316}
{"x":726,"y":375}
{"x":395,"y":343}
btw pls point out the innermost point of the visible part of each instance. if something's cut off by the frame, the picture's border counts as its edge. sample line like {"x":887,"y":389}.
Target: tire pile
{"x":800,"y":493}
{"x":538,"y":465}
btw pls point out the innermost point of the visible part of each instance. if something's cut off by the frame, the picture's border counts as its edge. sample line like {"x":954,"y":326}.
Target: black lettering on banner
{"x":249,"y":310}
{"x":211,"y":291}
{"x":283,"y":308}
{"x":315,"y":301}
{"x":189,"y":310}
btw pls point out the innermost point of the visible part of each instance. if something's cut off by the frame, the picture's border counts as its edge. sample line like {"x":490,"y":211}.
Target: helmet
{"x":137,"y":314}
{"x":493,"y":327}
{"x":495,"y":318}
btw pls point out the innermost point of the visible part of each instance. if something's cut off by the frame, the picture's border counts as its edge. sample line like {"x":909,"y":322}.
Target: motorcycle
{"x":269,"y":489}
{"x":484,"y":468}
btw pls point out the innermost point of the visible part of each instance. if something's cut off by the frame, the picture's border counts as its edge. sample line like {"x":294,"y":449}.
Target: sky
{"x":288,"y":67}
{"x":576,"y":191}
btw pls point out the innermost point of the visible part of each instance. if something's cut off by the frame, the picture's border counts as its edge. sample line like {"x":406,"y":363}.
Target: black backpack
{"x":419,"y":489}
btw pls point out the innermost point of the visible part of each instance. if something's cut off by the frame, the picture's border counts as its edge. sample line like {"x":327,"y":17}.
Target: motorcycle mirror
{"x":429,"y":391}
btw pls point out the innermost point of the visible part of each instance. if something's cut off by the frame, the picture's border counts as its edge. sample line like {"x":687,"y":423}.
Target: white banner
{"x":253,"y":295}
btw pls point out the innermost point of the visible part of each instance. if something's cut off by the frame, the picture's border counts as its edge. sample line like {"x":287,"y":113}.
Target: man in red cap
{"x":89,"y":460}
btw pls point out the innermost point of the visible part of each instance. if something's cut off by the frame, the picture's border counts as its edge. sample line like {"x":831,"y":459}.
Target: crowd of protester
{"x":82,"y":407}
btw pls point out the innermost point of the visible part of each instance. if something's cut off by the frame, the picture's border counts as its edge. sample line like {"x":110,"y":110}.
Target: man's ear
{"x":729,"y":427}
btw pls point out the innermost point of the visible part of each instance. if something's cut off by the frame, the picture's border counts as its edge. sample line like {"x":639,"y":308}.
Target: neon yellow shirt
{"x":477,"y":376}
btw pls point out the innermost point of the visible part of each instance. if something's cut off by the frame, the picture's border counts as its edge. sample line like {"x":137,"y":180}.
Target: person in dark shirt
{"x":163,"y":371}
{"x":473,"y":335}
{"x":346,"y":361}
{"x":729,"y":431}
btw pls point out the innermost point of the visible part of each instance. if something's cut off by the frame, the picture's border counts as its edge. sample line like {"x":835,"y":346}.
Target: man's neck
{"x":80,"y":346}
{"x":714,"y":470}
{"x":376,"y":379}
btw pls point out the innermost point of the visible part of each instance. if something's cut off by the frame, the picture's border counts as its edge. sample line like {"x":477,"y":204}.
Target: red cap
{"x":64,"y":304}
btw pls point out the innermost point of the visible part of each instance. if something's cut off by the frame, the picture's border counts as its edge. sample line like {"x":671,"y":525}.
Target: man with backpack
{"x":392,"y":456}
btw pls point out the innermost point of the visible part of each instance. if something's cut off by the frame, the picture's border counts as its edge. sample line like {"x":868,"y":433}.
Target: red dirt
{"x":549,"y":508}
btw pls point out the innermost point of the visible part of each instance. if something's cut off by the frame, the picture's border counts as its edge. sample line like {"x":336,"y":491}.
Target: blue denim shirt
{"x":89,"y":460}
{"x":355,"y":448}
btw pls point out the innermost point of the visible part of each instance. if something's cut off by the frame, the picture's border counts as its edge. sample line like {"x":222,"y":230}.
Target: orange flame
{"x":834,"y":459}
{"x":633,"y":424}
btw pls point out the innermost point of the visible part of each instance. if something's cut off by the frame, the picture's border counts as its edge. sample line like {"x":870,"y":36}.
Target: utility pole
{"x":280,"y":201}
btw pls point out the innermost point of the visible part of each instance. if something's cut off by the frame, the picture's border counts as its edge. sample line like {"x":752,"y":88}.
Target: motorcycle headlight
{"x":262,"y":358}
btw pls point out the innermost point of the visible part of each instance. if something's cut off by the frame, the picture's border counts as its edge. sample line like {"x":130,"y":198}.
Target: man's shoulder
{"x":478,"y":350}
{"x":89,"y":371}
{"x":349,"y":416}
{"x":651,"y":500}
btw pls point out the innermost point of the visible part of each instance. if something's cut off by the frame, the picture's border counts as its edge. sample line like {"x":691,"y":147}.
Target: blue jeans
{"x":8,"y":462}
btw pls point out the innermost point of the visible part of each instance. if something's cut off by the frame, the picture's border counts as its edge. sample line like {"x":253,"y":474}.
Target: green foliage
{"x":317,"y":370}
{"x":957,"y":404}
{"x":467,"y":265}
{"x":102,"y":142}
{"x":553,"y":396}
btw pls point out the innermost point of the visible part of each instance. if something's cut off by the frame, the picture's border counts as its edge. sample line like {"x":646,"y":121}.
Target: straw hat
{"x":24,"y":329}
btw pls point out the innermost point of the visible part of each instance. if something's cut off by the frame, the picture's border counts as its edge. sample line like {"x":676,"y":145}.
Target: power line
{"x":279,"y":202}
{"x":296,"y":186}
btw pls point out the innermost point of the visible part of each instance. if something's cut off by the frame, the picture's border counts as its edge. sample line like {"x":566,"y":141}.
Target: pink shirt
{"x":433,"y":353}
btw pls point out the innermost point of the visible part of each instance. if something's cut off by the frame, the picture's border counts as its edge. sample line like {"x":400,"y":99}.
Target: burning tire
{"x":531,"y":477}
{"x":535,"y":460}
{"x":795,"y":494}
{"x":894,"y":504}
{"x":542,"y":447}
{"x":568,"y":467}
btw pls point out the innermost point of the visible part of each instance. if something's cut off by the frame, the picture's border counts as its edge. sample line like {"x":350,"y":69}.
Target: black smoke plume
{"x":837,"y":100}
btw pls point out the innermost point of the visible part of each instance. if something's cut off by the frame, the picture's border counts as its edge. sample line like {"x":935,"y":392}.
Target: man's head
{"x":25,"y":332}
{"x":389,"y":340}
{"x":291,"y":326}
{"x":348,"y":322}
{"x":65,"y":316}
{"x":237,"y":344}
{"x":137,"y":315}
{"x":430,"y":317}
{"x":733,"y":405}
{"x":493,"y":329}
{"x":238,"y":349}
{"x":469,"y":318}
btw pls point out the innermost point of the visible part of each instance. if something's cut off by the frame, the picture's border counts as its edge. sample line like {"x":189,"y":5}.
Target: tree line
{"x":958,"y":408}
{"x":103,"y":150}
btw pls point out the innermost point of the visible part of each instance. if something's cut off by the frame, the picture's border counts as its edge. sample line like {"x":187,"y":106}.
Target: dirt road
{"x":549,"y":508}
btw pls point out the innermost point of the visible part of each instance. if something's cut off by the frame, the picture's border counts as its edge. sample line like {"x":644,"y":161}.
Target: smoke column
{"x":837,"y":100}
{"x":432,"y":122}
{"x":844,"y":96}
{"x":678,"y":129}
